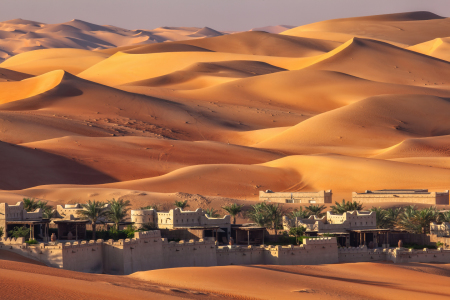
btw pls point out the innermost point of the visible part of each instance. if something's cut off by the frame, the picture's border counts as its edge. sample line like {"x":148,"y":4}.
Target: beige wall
{"x":427,"y":198}
{"x":147,"y":251}
{"x":355,"y":220}
{"x":297,"y":197}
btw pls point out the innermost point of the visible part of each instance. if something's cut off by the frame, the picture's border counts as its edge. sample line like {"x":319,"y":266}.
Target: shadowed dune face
{"x":348,"y":105}
{"x":31,"y":167}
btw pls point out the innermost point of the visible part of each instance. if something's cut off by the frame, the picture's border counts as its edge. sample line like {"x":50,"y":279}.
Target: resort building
{"x":179,"y":224}
{"x":296,"y":197}
{"x":351,"y":228}
{"x":410,"y":196}
{"x":16,"y":216}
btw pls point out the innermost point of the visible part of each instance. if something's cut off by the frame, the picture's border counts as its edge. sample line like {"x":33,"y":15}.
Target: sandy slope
{"x":341,"y":281}
{"x":23,"y":278}
{"x":229,"y":115}
{"x":19,"y":36}
{"x":403,"y":28}
{"x":438,"y":48}
{"x":38,"y":62}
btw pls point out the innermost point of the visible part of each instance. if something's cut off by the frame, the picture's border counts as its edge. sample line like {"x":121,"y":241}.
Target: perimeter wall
{"x":148,"y":251}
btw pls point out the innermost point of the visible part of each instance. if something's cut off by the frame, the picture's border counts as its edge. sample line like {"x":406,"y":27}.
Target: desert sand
{"x":183,"y":113}
{"x":340,"y":281}
{"x":348,"y":105}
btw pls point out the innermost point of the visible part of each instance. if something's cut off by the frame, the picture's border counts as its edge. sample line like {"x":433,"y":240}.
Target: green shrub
{"x":31,"y":242}
{"x":20,"y":232}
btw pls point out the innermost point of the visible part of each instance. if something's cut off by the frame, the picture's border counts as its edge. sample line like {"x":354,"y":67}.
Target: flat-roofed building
{"x":409,"y":196}
{"x":184,"y":224}
{"x":296,"y":197}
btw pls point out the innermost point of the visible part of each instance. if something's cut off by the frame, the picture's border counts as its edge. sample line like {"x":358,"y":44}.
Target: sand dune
{"x":8,"y":75}
{"x":292,"y":173}
{"x":141,"y":157}
{"x":22,"y":163}
{"x":402,"y":28}
{"x":201,"y":75}
{"x":303,"y":90}
{"x":42,"y":61}
{"x":267,"y":44}
{"x":122,"y":68}
{"x":273,"y":29}
{"x":229,"y":115}
{"x":343,"y":281}
{"x":420,"y":147}
{"x":399,"y":65}
{"x":18,"y":36}
{"x":438,"y":48}
{"x":376,"y":122}
{"x":25,"y":279}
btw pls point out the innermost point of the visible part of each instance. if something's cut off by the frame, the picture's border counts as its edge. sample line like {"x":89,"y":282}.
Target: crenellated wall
{"x":82,"y":256}
{"x":403,"y":255}
{"x":361,"y":254}
{"x":191,"y":253}
{"x":148,"y":251}
{"x":241,"y":255}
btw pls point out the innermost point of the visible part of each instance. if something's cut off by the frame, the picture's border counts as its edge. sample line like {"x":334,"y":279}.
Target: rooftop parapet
{"x":12,"y":241}
{"x":353,"y":249}
{"x":320,"y":241}
{"x":147,"y":234}
{"x":81,"y":244}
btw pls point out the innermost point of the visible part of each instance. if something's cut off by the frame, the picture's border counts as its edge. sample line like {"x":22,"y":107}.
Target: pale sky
{"x":218,"y":14}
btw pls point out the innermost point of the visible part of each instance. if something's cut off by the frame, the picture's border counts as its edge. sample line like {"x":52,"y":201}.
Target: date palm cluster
{"x":410,"y":218}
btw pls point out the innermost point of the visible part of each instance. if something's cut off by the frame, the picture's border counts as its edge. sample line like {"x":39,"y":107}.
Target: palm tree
{"x":407,"y":220}
{"x":343,"y":207}
{"x":392,"y":216}
{"x":316,"y":210}
{"x":258,"y":214}
{"x":274,"y":214}
{"x":297,"y":231}
{"x":417,"y":220}
{"x":211,"y":212}
{"x":381,"y":217}
{"x":444,"y":216}
{"x":47,"y":210}
{"x":234,"y":210}
{"x":181,"y":204}
{"x":93,"y":210}
{"x":118,"y":210}
{"x":29,"y":204}
{"x":425,"y":216}
{"x":299,"y":213}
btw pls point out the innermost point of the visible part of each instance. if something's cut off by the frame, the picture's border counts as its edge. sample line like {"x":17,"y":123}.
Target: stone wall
{"x":83,"y":256}
{"x":432,"y":198}
{"x":148,"y":251}
{"x":297,"y":197}
{"x":361,"y":254}
{"x":424,"y":256}
{"x":240,"y":255}
{"x":191,"y":253}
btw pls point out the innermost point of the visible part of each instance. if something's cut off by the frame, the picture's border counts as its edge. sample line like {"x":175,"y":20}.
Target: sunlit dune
{"x":38,"y":62}
{"x":343,"y":104}
{"x":402,"y":28}
{"x":342,"y":281}
{"x":438,"y":48}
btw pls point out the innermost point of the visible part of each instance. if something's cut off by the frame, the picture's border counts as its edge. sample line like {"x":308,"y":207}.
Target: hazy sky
{"x":218,"y":14}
